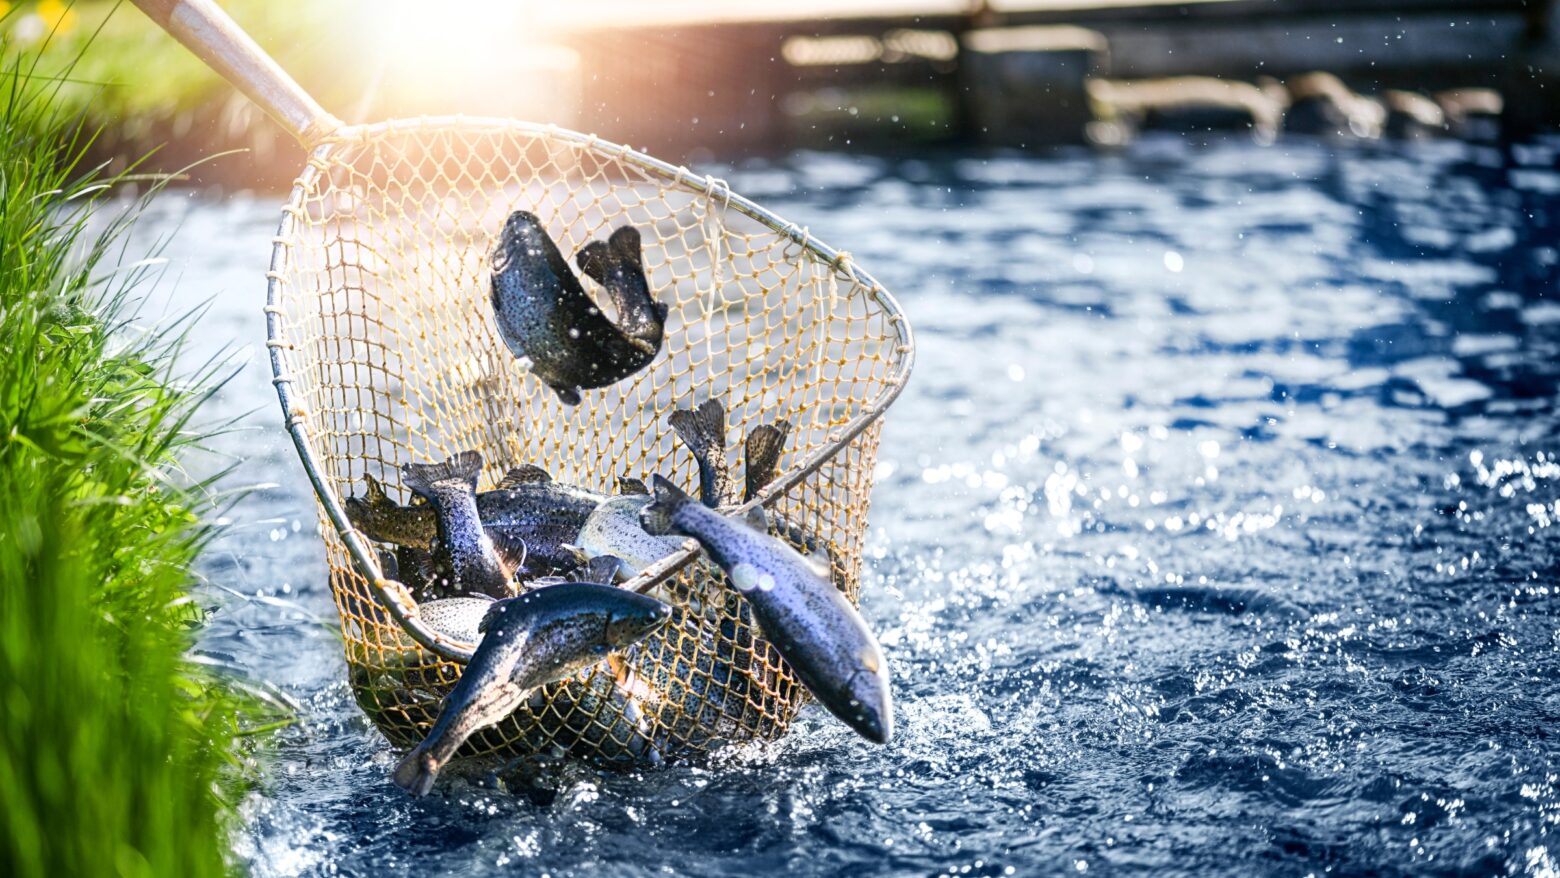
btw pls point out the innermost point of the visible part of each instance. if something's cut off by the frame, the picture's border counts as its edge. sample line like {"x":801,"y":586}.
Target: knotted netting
{"x":385,"y":351}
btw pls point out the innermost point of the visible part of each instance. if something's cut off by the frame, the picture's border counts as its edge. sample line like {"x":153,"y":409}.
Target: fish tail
{"x":417,"y":771}
{"x":421,"y":477}
{"x":657,"y":517}
{"x":595,"y":259}
{"x":765,"y":444}
{"x":704,"y":431}
{"x":625,"y":245}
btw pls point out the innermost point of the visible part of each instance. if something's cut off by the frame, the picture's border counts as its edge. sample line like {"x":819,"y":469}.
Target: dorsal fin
{"x":602,"y":569}
{"x":756,"y":519}
{"x":492,"y":614}
{"x":511,"y":552}
{"x":375,"y":495}
{"x":524,"y":474}
{"x":628,"y":486}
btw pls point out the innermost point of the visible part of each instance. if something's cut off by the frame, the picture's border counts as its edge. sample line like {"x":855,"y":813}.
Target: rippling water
{"x":1214,"y":533}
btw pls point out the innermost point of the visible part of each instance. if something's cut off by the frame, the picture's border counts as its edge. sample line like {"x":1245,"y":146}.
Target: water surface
{"x":1214,"y":534}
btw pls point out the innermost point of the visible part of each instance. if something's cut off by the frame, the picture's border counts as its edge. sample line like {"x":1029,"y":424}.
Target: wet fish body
{"x":528,"y":641}
{"x":545,"y":315}
{"x":614,"y":530}
{"x":527,"y":508}
{"x":463,"y":547}
{"x":456,"y":618}
{"x":820,"y":635}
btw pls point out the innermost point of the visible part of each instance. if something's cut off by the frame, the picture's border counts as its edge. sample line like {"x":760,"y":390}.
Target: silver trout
{"x":526,"y":508}
{"x":545,"y":315}
{"x":475,"y":563}
{"x":820,"y":635}
{"x":613,"y":530}
{"x":528,"y":641}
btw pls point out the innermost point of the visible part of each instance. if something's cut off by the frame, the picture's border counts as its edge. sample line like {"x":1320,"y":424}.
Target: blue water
{"x":1214,"y":534}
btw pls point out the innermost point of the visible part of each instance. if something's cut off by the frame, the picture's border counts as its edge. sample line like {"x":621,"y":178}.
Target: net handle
{"x":215,"y":38}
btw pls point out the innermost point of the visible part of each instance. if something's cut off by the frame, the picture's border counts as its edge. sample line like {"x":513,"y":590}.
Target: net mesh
{"x":385,"y":352}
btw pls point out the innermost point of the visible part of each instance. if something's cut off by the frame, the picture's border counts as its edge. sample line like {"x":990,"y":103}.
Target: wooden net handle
{"x":203,"y":28}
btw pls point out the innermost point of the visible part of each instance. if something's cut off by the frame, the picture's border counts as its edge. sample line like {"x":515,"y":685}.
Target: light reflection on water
{"x":1214,"y":533}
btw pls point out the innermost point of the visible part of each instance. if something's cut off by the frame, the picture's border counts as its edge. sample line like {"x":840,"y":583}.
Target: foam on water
{"x":1215,"y":533}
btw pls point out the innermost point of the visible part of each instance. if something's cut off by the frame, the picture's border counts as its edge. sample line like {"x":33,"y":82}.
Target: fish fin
{"x":417,"y":771}
{"x":375,"y":494}
{"x":524,"y":474}
{"x":765,"y":445}
{"x":820,"y":563}
{"x":421,"y":477}
{"x":628,"y":485}
{"x":389,"y":567}
{"x":361,"y":511}
{"x":511,"y":551}
{"x":626,"y":246}
{"x":656,"y":518}
{"x":703,"y":430}
{"x":493,"y":612}
{"x":567,"y":395}
{"x":664,"y":310}
{"x":431,"y":575}
{"x":602,"y":569}
{"x":593,"y":259}
{"x":756,"y":519}
{"x":576,"y":551}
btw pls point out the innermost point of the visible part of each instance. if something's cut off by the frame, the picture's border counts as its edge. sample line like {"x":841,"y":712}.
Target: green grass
{"x":136,"y":80}
{"x":116,"y":755}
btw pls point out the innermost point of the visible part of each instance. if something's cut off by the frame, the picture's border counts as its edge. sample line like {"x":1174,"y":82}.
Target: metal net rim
{"x":394,"y":597}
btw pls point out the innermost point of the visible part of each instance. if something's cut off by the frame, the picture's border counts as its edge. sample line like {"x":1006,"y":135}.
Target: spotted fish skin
{"x":703,"y":430}
{"x":544,"y":314}
{"x":540,"y":637}
{"x":614,"y":530}
{"x":815,"y":629}
{"x":527,"y":508}
{"x":464,"y":547}
{"x":763,"y":449}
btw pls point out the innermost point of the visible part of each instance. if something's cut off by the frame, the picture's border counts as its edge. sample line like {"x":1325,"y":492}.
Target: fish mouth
{"x":873,"y":717}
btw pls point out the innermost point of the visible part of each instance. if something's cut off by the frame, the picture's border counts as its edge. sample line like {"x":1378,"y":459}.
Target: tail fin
{"x":421,"y":477}
{"x":625,"y":245}
{"x":656,"y":518}
{"x":417,"y":771}
{"x":622,"y":247}
{"x":765,"y":444}
{"x":704,"y":431}
{"x":594,"y":259}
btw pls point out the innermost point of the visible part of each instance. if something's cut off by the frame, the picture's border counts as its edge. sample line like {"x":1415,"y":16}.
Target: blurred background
{"x":692,"y":81}
{"x":1214,"y":534}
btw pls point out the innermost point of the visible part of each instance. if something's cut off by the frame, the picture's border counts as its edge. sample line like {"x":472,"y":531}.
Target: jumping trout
{"x":528,"y":641}
{"x":816,"y":630}
{"x":544,"y":313}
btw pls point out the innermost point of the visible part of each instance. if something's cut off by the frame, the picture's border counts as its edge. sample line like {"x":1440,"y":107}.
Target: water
{"x":1214,"y":534}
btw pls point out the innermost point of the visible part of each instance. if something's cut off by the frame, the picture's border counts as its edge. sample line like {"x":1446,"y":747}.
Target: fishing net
{"x":384,"y":352}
